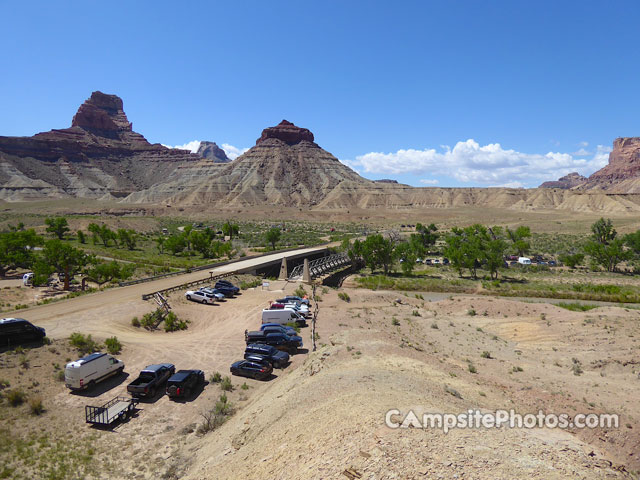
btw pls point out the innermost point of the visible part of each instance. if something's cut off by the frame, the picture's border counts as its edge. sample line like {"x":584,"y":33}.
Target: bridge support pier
{"x":283,"y":269}
{"x":306,"y":274}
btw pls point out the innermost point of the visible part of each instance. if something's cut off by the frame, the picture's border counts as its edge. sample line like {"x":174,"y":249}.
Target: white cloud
{"x":469,"y":162}
{"x":429,"y":181}
{"x":582,"y":152}
{"x":233,"y":152}
{"x":191,"y":146}
{"x":583,"y":144}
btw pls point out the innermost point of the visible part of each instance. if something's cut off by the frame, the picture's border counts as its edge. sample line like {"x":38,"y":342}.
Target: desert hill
{"x":101,"y":157}
{"x":620,"y":176}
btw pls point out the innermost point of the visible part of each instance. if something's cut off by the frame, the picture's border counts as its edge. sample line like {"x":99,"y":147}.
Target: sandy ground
{"x":324,"y":414}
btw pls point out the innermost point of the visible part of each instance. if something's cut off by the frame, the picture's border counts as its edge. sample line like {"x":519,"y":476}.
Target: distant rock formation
{"x":211,"y":151}
{"x":286,"y":132}
{"x":386,"y":180}
{"x":571,"y":180}
{"x":621,"y":175}
{"x":99,"y":156}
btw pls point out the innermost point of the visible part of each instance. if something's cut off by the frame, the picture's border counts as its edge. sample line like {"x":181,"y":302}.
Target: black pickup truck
{"x":151,"y":379}
{"x":278,"y":340}
{"x":184,"y":382}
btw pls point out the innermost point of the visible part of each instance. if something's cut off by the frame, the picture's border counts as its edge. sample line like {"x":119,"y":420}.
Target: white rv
{"x":87,"y":371}
{"x":524,"y":261}
{"x":283,"y":316}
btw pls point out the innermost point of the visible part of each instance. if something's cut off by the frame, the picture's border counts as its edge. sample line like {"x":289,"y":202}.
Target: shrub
{"x":84,"y":344}
{"x":517,"y":369}
{"x":300,"y":291}
{"x":486,"y":354}
{"x":16,"y":397}
{"x":60,"y":376}
{"x":214,"y":418}
{"x":172,"y":323}
{"x":113,"y":345}
{"x":226,"y":384}
{"x":416,"y":313}
{"x":344,"y":296}
{"x":576,"y":307}
{"x":244,"y":386}
{"x":46,"y":341}
{"x":472,"y":368}
{"x":135,"y":322}
{"x":434,"y":325}
{"x":471,"y":312}
{"x":36,"y":406}
{"x":215,"y":377}
{"x":24,"y":361}
{"x":395,"y":322}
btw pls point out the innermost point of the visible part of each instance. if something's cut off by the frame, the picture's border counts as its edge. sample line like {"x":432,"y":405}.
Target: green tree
{"x":104,"y":233}
{"x":160,"y":240}
{"x":604,"y":248}
{"x":63,"y":258}
{"x":273,"y":236}
{"x":571,"y":260}
{"x":16,"y":249}
{"x":82,"y":238}
{"x":466,"y":248}
{"x":493,"y":248}
{"x":201,"y":243}
{"x":127,"y":237}
{"x":632,"y":240}
{"x":406,"y":254}
{"x":377,"y":251}
{"x":518,"y":238}
{"x":427,"y":234}
{"x":57,"y":226}
{"x":230,"y":229}
{"x":105,"y":272}
{"x":175,"y":244}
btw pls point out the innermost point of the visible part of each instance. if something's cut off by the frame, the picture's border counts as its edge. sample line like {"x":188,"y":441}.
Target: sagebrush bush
{"x":16,"y":397}
{"x":84,"y":343}
{"x":226,"y":384}
{"x":113,"y":345}
{"x":36,"y":406}
{"x":344,"y":296}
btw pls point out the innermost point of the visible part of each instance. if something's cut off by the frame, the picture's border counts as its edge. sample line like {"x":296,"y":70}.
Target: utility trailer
{"x":119,"y":408}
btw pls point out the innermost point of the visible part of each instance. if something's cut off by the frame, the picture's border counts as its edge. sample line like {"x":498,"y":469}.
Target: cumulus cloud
{"x":429,"y":181}
{"x":233,"y":152}
{"x":470,"y":162}
{"x":191,"y":146}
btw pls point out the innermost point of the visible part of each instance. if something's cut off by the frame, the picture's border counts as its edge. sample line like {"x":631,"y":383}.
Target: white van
{"x":27,"y":279}
{"x":283,"y":316}
{"x":87,"y":371}
{"x":524,"y":261}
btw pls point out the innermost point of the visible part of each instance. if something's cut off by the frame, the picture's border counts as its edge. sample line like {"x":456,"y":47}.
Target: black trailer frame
{"x":118,"y":408}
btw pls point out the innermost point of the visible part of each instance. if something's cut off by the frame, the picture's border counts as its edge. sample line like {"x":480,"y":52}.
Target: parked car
{"x":300,"y":309}
{"x":445,"y":261}
{"x":228,"y":284}
{"x":151,"y":379}
{"x":436,"y":261}
{"x":246,"y":368}
{"x":524,"y":261}
{"x":428,"y":261}
{"x":278,"y":340}
{"x":200,"y":296}
{"x":87,"y":371}
{"x":283,"y":317}
{"x":299,"y":299}
{"x":283,"y":328}
{"x":277,"y":358}
{"x":226,"y":289}
{"x":552,"y":263}
{"x":213,"y":291}
{"x":14,"y":331}
{"x":183,"y":382}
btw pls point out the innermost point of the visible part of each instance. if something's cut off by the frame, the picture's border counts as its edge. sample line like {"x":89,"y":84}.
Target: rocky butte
{"x":211,"y":151}
{"x":621,"y":175}
{"x":99,"y":156}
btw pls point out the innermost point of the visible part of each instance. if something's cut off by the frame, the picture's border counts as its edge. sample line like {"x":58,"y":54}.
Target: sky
{"x":430,"y":93}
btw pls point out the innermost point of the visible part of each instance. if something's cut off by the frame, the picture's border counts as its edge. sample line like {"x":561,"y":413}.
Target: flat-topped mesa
{"x":211,"y":151}
{"x":570,"y":180}
{"x":286,"y":132}
{"x":102,"y":113}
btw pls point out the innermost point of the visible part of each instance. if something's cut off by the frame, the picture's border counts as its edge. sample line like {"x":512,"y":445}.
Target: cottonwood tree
{"x":57,"y":226}
{"x":104,"y":233}
{"x":60,"y":257}
{"x":127,"y":237}
{"x":102,"y":273}
{"x":604,"y":248}
{"x":16,"y":249}
{"x":273,"y":236}
{"x":518,"y":238}
{"x":230,"y":229}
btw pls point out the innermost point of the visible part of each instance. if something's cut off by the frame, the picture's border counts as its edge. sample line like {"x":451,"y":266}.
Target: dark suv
{"x":19,"y":330}
{"x":277,"y":358}
{"x":226,"y":288}
{"x":183,"y":382}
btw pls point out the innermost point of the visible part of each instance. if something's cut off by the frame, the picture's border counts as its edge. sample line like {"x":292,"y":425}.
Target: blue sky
{"x":448,"y":93}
